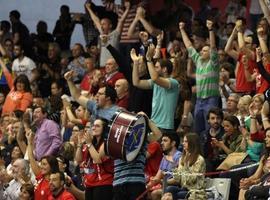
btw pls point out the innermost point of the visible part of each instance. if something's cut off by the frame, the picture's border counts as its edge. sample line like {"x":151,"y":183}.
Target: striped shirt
{"x":130,"y":172}
{"x":207,"y":74}
{"x":127,"y":22}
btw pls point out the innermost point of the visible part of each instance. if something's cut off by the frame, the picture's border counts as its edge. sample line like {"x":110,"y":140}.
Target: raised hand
{"x":133,"y":55}
{"x":181,"y":25}
{"x":88,"y":6}
{"x":140,"y":12}
{"x":265,"y":109}
{"x":160,"y":37}
{"x":150,"y":52}
{"x":258,"y":54}
{"x":127,"y":5}
{"x":209,"y":24}
{"x":260,"y":31}
{"x":104,"y":38}
{"x":69,"y":75}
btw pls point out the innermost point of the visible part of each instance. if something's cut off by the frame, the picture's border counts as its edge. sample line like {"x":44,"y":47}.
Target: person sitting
{"x":216,"y":130}
{"x":189,"y":173}
{"x":170,"y":160}
{"x":20,"y":173}
{"x":249,"y":187}
{"x":122,"y":90}
{"x":58,"y":191}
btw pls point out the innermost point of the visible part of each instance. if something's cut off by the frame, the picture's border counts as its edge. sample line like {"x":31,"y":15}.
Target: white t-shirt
{"x":25,"y":66}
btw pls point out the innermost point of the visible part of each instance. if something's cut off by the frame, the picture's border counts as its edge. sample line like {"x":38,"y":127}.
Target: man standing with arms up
{"x":207,"y":76}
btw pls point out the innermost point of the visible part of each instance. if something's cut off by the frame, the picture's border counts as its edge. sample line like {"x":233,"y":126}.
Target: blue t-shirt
{"x":105,"y":113}
{"x":168,"y":166}
{"x":164,"y":103}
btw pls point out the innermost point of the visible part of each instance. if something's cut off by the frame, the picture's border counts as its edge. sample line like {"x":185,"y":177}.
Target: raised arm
{"x":143,"y":84}
{"x":131,"y":30}
{"x":6,"y":73}
{"x":123,"y":17}
{"x":75,"y":92}
{"x":95,"y":155}
{"x":30,"y":147}
{"x":159,"y":44}
{"x":262,"y":39}
{"x":94,"y":17}
{"x":124,"y":67}
{"x":185,"y":37}
{"x":3,"y":50}
{"x":20,"y":138}
{"x":163,"y":82}
{"x":147,"y":25}
{"x":209,"y":25}
{"x":260,"y":65}
{"x":229,"y":46}
{"x":265,"y":114}
{"x":265,"y":10}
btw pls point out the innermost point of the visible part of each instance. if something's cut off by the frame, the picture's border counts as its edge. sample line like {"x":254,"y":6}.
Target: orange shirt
{"x":15,"y":100}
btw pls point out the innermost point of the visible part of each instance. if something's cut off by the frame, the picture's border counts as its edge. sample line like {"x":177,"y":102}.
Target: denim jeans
{"x":177,"y":192}
{"x":202,"y":107}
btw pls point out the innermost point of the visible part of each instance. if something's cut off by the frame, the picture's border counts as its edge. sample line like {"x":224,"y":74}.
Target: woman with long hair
{"x":42,"y":171}
{"x":190,"y":171}
{"x":20,"y":96}
{"x":96,"y":166}
{"x":231,"y":141}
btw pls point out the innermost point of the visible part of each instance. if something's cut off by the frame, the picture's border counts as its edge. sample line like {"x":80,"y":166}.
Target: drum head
{"x":134,"y":139}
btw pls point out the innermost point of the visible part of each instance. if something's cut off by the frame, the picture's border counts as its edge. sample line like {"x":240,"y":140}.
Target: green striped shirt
{"x":207,"y":74}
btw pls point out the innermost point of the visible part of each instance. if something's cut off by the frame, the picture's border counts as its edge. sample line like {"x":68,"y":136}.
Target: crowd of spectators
{"x":200,"y":80}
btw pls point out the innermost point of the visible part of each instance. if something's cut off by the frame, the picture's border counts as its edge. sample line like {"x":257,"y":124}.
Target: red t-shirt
{"x":64,"y":195}
{"x":42,"y":189}
{"x":152,"y":163}
{"x":242,"y":85}
{"x":97,"y":174}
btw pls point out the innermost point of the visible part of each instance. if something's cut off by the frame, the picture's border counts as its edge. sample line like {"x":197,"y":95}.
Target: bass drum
{"x":126,"y":136}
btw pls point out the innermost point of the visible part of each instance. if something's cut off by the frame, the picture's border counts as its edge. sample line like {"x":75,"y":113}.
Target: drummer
{"x":129,"y":180}
{"x":104,"y":104}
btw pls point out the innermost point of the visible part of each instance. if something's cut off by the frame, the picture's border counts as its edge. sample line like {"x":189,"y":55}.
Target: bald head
{"x":121,"y":87}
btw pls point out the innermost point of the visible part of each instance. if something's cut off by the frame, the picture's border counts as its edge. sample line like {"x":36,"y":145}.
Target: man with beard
{"x":215,"y":132}
{"x":57,"y":182}
{"x":23,"y":64}
{"x":170,"y":160}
